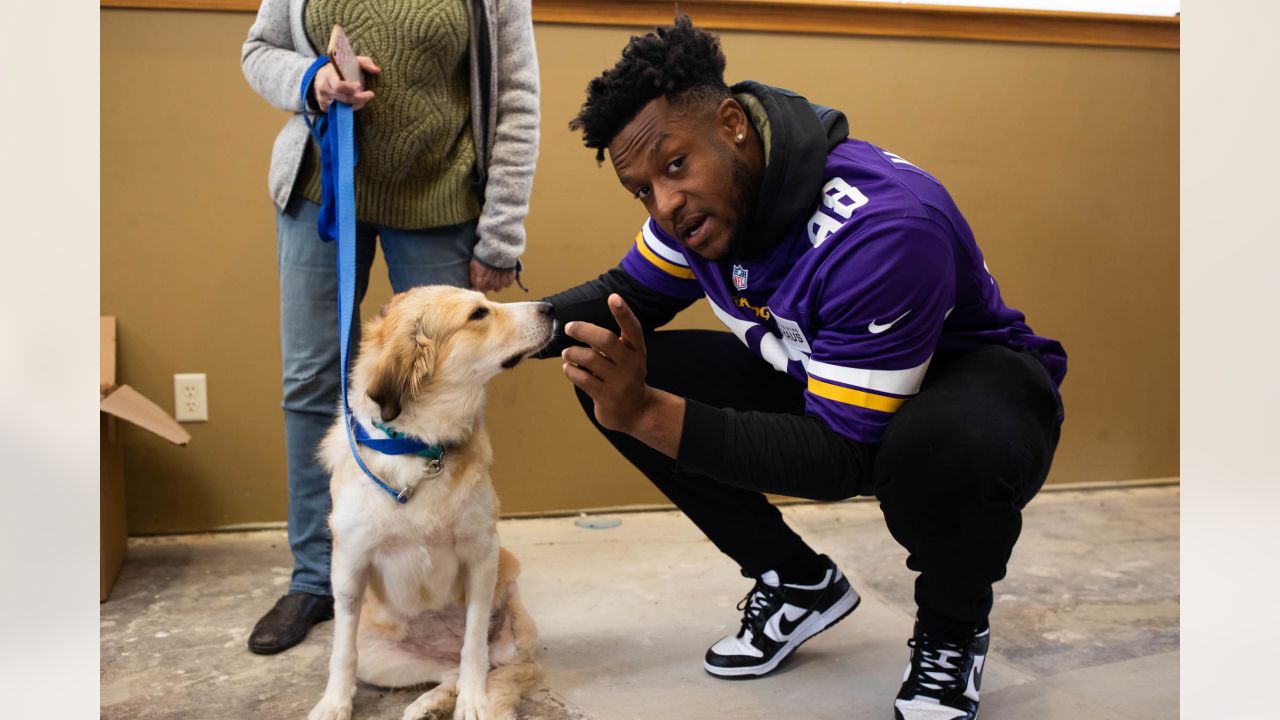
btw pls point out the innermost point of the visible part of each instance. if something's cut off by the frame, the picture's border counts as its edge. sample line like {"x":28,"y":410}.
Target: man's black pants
{"x":952,"y":472}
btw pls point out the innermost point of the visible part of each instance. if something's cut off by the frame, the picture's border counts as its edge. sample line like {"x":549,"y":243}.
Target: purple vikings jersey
{"x":855,"y":303}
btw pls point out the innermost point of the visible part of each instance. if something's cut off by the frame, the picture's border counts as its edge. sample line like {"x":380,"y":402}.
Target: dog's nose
{"x":547,"y":309}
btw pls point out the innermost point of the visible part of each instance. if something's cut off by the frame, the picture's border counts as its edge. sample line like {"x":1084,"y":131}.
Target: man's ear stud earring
{"x":741,"y":137}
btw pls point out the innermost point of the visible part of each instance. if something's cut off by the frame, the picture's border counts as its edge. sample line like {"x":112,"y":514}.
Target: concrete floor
{"x":1085,"y":626}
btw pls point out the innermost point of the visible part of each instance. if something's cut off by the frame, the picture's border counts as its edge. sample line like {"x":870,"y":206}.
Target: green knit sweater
{"x":415,"y":148}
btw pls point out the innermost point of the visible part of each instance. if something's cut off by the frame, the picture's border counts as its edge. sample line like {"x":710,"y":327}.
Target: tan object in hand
{"x":343,"y":57}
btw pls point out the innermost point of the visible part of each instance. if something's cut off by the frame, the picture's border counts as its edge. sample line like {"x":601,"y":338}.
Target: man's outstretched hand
{"x":612,"y":371}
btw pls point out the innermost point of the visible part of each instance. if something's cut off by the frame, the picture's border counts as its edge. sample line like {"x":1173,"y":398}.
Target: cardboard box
{"x":121,"y":401}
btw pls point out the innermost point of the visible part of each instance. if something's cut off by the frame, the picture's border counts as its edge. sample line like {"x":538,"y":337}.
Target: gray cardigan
{"x":504,"y":109}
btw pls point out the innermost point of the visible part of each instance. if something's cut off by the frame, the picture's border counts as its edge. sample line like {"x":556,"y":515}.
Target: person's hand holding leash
{"x":329,"y":87}
{"x":612,"y":372}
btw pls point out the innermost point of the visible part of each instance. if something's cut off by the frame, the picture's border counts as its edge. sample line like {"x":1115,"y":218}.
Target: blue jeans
{"x":309,"y":348}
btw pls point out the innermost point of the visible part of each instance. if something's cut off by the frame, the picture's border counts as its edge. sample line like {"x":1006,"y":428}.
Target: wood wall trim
{"x":834,"y":17}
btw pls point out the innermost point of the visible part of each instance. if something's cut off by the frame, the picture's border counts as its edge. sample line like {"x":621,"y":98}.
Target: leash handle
{"x":317,"y":128}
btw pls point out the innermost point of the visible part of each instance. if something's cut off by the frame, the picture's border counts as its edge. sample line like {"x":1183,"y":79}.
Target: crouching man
{"x":869,"y":352}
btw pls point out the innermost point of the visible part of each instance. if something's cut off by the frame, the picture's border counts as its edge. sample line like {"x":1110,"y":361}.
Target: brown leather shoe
{"x":286,"y":624}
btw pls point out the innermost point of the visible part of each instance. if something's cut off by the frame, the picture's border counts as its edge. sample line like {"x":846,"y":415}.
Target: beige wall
{"x":1064,"y":159}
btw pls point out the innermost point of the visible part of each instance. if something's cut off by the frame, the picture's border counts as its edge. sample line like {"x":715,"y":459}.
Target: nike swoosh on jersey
{"x":876,"y":329}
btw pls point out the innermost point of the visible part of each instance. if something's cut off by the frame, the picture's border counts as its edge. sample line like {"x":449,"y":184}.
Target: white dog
{"x":422,"y":591}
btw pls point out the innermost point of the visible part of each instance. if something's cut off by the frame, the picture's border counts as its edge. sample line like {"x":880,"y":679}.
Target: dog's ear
{"x":402,"y":373}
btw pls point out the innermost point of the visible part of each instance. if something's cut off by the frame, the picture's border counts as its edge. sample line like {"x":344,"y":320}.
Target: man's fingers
{"x":589,"y":383}
{"x":367,"y":64}
{"x":588,"y":359}
{"x":628,"y":323}
{"x":595,"y":336}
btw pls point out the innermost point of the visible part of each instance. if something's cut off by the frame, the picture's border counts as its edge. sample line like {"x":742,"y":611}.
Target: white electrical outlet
{"x":190,"y":397}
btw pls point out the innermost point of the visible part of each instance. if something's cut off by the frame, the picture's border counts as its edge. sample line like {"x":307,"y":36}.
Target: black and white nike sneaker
{"x":942,"y":679}
{"x":777,"y":618}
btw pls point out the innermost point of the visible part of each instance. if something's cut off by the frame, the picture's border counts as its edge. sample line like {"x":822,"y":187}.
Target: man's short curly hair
{"x":679,"y":62}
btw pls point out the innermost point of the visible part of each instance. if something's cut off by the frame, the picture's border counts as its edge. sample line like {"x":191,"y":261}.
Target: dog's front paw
{"x":472,"y":703}
{"x":330,"y":709}
{"x":434,"y":704}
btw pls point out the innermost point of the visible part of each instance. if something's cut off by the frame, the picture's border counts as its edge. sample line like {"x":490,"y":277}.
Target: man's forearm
{"x":586,"y":303}
{"x":661,"y":424}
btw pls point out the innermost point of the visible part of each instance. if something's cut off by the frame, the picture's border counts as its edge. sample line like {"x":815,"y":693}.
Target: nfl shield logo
{"x":739,"y":277}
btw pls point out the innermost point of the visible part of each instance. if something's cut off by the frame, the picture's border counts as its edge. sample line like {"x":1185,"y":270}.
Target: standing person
{"x":447,"y":134}
{"x":871,"y":353}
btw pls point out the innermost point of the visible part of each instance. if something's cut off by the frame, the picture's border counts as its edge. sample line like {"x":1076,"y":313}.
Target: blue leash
{"x":335,"y":133}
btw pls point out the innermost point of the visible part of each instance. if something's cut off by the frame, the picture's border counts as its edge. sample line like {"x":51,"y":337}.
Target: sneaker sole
{"x":826,"y":620}
{"x":897,"y":715}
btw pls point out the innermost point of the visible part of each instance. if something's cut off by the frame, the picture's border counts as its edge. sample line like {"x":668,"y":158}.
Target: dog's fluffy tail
{"x":507,"y":684}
